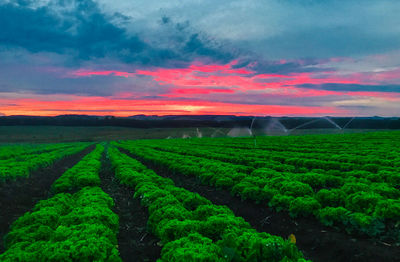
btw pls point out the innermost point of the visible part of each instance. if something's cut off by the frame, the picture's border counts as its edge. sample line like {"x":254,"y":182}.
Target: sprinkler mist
{"x":239,"y":131}
{"x":327,"y":118}
{"x":275,"y":127}
{"x":216,"y":131}
{"x":252,"y":133}
{"x":199,"y":134}
{"x":348,"y":123}
{"x":271,"y":128}
{"x":316,"y":120}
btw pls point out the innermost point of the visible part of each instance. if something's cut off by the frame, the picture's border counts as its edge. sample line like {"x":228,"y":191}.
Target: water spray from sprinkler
{"x":217,"y":130}
{"x":275,"y":127}
{"x":186,"y":136}
{"x":327,"y":118}
{"x":316,"y":120}
{"x":252,"y":133}
{"x":199,"y":134}
{"x":351,"y":120}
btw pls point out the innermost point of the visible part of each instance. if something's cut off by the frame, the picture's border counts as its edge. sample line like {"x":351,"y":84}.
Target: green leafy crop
{"x":78,"y":227}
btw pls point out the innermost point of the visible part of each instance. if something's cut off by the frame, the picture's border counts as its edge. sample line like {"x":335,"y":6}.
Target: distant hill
{"x":176,"y":121}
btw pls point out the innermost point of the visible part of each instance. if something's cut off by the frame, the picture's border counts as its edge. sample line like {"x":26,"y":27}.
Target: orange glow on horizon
{"x":106,"y":106}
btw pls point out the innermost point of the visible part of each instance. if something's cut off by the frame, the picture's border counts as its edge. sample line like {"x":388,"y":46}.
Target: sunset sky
{"x":266,"y":57}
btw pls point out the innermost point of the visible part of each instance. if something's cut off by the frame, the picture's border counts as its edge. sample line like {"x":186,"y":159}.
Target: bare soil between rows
{"x":135,"y":243}
{"x":317,"y":242}
{"x":20,"y":196}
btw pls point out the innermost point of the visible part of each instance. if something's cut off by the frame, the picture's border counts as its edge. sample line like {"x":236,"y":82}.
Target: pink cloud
{"x":191,"y":91}
{"x":206,"y":79}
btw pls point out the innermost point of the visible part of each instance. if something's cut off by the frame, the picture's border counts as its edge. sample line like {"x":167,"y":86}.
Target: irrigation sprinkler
{"x":316,"y":120}
{"x":252,"y":133}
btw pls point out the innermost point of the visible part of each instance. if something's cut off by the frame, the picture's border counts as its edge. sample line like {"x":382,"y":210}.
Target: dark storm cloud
{"x":83,"y":29}
{"x":354,"y":87}
{"x":196,"y":46}
{"x":86,"y":33}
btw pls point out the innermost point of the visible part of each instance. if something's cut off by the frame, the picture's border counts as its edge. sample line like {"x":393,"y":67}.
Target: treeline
{"x":114,"y":121}
{"x":287,"y":122}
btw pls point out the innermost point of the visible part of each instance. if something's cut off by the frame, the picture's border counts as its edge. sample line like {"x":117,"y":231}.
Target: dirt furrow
{"x":134,"y":241}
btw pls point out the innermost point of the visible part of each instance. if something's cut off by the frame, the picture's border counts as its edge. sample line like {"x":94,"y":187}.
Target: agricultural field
{"x":61,"y":134}
{"x":332,"y":197}
{"x":57,"y":134}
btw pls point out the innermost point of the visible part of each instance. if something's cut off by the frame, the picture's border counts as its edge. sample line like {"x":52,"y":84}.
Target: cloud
{"x":282,"y":66}
{"x":196,"y":91}
{"x":278,"y":29}
{"x":83,"y":29}
{"x":80,"y":29}
{"x":354,"y":87}
{"x":95,"y":105}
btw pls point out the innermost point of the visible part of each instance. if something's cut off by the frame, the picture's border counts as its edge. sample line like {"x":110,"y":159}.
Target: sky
{"x":236,"y":57}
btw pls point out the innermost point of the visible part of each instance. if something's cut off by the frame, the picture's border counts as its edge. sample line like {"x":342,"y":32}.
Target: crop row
{"x":279,"y":163}
{"x":84,"y":173}
{"x":255,"y":156}
{"x":371,"y":172}
{"x":67,"y":227}
{"x":355,"y":203}
{"x":365,"y":144}
{"x":190,"y":227}
{"x":21,"y":151}
{"x":22,"y":166}
{"x":361,"y":147}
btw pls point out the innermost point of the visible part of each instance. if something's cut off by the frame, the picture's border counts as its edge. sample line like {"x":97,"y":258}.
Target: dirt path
{"x":134,"y":241}
{"x":317,"y":242}
{"x":20,"y":196}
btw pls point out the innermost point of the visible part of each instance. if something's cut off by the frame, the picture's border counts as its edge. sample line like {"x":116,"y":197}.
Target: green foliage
{"x":205,"y":211}
{"x":333,"y":181}
{"x":217,"y":225}
{"x":194,"y":247}
{"x":83,"y":174}
{"x":21,"y":160}
{"x":304,"y":206}
{"x":330,"y":216}
{"x":350,"y":188}
{"x":333,"y":197}
{"x":364,"y":202}
{"x":314,"y":180}
{"x":281,"y":202}
{"x":374,"y":168}
{"x":352,"y":171}
{"x":261,"y":247}
{"x":224,"y":182}
{"x":170,"y":230}
{"x":264,"y":173}
{"x":193,"y":229}
{"x":389,"y":208}
{"x":385,"y":190}
{"x":78,"y":227}
{"x":363,"y":223}
{"x":254,"y":193}
{"x":296,"y":189}
{"x":277,"y":181}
